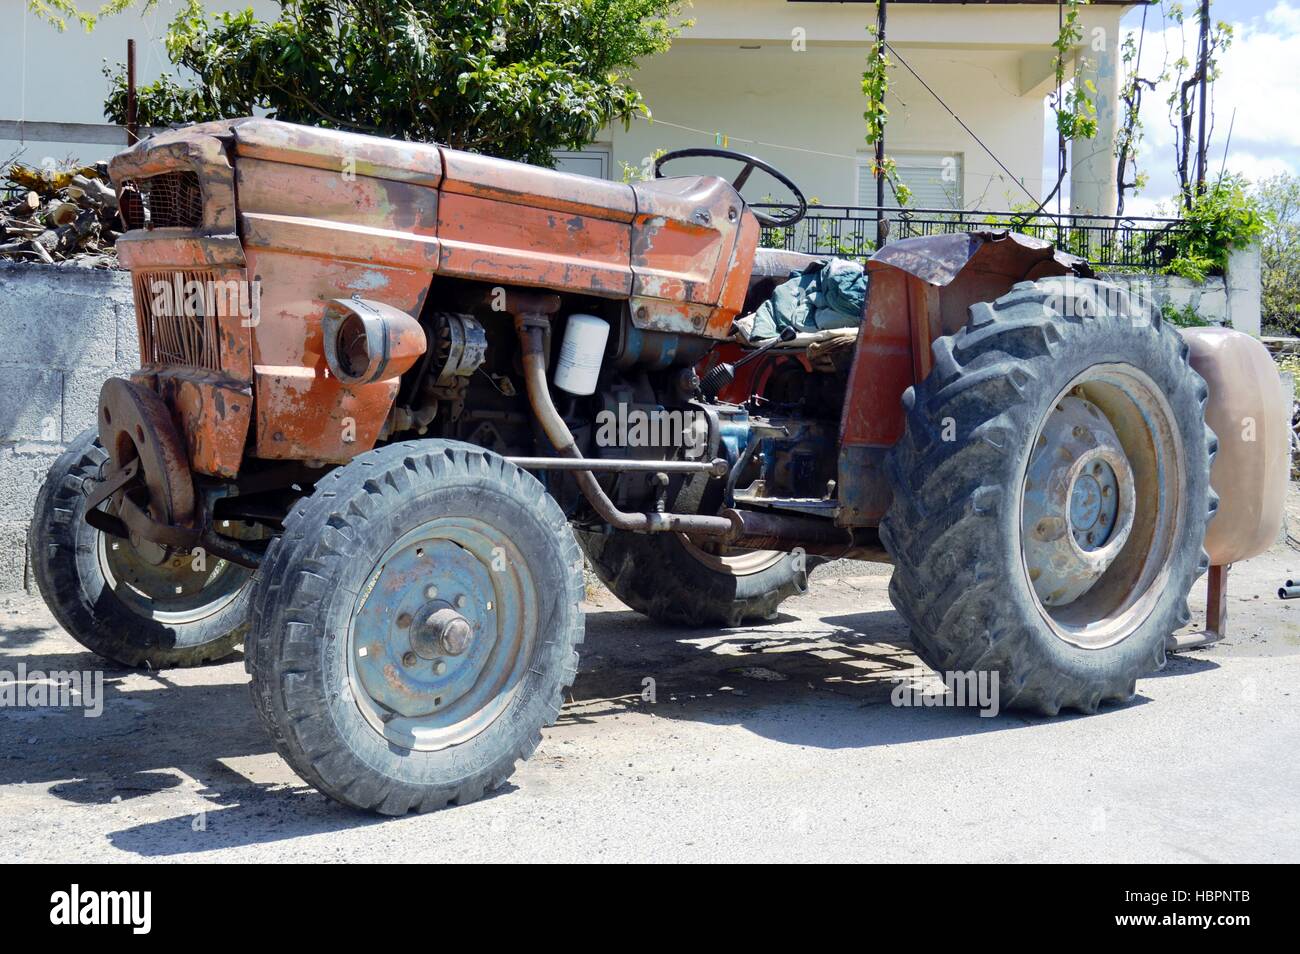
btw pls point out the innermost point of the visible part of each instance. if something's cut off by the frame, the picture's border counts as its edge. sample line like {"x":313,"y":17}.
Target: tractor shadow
{"x":190,"y":737}
{"x":826,"y":682}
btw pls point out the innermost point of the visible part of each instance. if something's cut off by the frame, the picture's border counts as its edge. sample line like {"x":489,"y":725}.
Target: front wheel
{"x":416,"y":626}
{"x":137,"y":606}
{"x":1051,"y":494}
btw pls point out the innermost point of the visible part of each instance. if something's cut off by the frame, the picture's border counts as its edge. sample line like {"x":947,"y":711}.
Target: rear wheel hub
{"x":1078,"y":501}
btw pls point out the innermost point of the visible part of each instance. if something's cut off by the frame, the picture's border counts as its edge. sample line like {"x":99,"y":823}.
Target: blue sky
{"x":1261,"y":82}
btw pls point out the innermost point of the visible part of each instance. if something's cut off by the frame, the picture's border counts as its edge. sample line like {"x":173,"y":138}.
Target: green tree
{"x":512,"y":78}
{"x":1279,"y":197}
{"x":59,"y":12}
{"x":1225,"y":217}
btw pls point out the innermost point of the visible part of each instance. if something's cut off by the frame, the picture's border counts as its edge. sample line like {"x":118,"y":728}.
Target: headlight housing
{"x":368,"y":341}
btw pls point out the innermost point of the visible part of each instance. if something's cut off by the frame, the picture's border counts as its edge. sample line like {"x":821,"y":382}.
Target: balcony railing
{"x":1107,"y":242}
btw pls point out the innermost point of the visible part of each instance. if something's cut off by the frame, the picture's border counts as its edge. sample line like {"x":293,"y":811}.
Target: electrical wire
{"x":753,"y":142}
{"x":939,"y":99}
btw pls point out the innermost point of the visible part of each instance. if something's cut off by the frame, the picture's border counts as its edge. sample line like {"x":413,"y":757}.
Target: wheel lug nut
{"x":403,"y":620}
{"x":456,"y":638}
{"x":460,"y":601}
{"x":408,"y":659}
{"x":431,"y":592}
{"x":439,"y":667}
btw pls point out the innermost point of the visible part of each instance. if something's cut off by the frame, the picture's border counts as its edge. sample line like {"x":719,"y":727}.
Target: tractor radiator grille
{"x":176,"y":323}
{"x":169,"y":200}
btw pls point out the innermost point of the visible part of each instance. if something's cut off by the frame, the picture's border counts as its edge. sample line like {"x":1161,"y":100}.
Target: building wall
{"x":48,"y":76}
{"x":63,"y":330}
{"x":811,"y":104}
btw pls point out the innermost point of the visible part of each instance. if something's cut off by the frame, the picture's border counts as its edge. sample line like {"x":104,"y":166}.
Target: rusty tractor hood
{"x":678,"y":250}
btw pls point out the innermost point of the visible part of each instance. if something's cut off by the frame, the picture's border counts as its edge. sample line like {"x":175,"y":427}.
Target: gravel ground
{"x":767,"y":743}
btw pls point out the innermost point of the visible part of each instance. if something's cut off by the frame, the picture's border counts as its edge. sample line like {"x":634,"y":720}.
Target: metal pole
{"x":1202,"y":147}
{"x":1060,"y":136}
{"x":880,"y":143}
{"x":132,"y":134}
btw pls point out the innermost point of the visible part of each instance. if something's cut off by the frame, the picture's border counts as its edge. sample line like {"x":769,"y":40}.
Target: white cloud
{"x":1255,"y":167}
{"x":1260,"y":81}
{"x":1285,"y":17}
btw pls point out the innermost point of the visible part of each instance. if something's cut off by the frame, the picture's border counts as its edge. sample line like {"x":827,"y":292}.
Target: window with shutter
{"x":935,"y":179}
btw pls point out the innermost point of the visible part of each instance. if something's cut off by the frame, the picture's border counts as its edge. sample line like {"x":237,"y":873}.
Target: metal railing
{"x":1108,"y":242}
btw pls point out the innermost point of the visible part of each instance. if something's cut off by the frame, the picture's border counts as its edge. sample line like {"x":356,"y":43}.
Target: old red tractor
{"x":391,"y":393}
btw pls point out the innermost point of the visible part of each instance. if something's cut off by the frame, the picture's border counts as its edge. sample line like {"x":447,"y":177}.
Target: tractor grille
{"x":177,"y":326}
{"x":169,"y":200}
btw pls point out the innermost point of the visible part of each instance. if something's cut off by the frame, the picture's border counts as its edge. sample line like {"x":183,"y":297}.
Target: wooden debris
{"x":58,"y":216}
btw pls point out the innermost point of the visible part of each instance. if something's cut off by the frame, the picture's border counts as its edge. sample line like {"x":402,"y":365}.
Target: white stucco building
{"x":778,"y":78}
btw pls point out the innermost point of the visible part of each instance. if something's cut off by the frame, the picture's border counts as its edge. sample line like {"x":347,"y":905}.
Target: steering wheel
{"x":787,"y":215}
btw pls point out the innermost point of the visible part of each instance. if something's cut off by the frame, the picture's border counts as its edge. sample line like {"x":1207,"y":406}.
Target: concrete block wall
{"x":1209,"y":299}
{"x":63,"y":330}
{"x":1233,"y":299}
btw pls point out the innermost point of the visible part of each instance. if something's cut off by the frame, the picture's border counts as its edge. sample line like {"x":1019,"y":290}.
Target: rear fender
{"x":918,"y":290}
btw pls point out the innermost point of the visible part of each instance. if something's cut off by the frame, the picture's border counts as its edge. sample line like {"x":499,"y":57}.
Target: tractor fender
{"x":1250,"y":414}
{"x":918,"y":290}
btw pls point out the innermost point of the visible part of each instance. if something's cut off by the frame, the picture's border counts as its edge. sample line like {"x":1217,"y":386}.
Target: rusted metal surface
{"x":515,"y":183}
{"x":488,"y":239}
{"x":883,"y":365}
{"x":303,"y":415}
{"x":1216,"y":614}
{"x":735,"y":283}
{"x":197,"y":149}
{"x":165,"y":251}
{"x":302,"y":411}
{"x":135,"y":424}
{"x":368,"y":341}
{"x":918,"y":290}
{"x":355,"y":198}
{"x":214,"y":413}
{"x":344,"y":153}
{"x":516,"y":224}
{"x":684,"y":242}
{"x":324,"y":215}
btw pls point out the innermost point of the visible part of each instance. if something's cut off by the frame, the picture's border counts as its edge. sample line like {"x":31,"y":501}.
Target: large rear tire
{"x":416,"y":626}
{"x":1050,"y":495}
{"x":129,"y":605}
